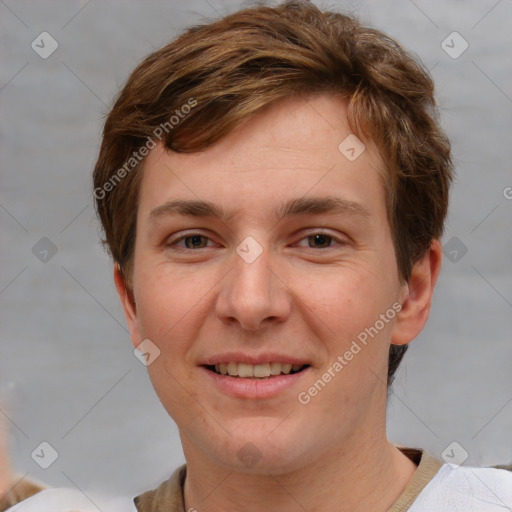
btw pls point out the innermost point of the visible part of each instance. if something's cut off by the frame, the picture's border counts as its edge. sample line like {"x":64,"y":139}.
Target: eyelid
{"x":185,"y":234}
{"x":312,"y":232}
{"x":339,"y":240}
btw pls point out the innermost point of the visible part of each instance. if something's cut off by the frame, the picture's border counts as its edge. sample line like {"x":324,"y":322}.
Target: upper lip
{"x":239,"y":357}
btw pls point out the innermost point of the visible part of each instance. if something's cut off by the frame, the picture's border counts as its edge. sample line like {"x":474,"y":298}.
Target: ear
{"x":417,"y":296}
{"x":128,"y":303}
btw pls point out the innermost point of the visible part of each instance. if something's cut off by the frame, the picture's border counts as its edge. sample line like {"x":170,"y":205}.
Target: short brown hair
{"x":230,"y":68}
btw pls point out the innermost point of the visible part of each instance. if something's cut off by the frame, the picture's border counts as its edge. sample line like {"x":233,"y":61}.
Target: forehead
{"x":286,"y":151}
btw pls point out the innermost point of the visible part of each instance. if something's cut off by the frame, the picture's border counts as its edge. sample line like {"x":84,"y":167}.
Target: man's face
{"x":263,"y":288}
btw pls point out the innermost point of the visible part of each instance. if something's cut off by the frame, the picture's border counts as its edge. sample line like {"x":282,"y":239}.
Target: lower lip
{"x":254,"y":388}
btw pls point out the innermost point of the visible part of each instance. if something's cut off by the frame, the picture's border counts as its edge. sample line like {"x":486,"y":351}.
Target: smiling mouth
{"x":256,"y":371}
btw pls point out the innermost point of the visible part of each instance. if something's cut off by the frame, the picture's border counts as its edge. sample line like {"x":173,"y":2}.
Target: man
{"x":272,"y":188}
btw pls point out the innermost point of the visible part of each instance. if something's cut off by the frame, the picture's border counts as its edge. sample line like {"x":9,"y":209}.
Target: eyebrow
{"x":299,"y":206}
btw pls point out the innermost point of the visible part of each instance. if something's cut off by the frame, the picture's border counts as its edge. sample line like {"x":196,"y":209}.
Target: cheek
{"x":346,"y":300}
{"x":350,"y":309}
{"x":166,"y":300}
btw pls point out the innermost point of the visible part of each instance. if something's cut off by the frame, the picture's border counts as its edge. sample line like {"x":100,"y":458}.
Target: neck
{"x":356,"y":478}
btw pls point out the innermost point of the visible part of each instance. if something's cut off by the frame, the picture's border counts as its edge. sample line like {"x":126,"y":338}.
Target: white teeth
{"x":275,"y":368}
{"x":286,"y":368}
{"x":245,"y":370}
{"x":261,"y":371}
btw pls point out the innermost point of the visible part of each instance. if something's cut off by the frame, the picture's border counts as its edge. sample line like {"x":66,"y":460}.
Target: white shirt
{"x":63,"y":499}
{"x":452,"y":489}
{"x":466,"y":489}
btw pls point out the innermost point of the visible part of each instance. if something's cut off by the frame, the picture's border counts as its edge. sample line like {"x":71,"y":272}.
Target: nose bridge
{"x":252,"y":294}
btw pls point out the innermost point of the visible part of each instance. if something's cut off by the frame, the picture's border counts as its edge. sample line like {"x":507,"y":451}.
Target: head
{"x":251,"y":112}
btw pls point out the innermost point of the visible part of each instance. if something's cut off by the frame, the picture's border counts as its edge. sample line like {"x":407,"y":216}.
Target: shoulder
{"x":19,"y":488}
{"x":64,"y":499}
{"x":168,"y":495}
{"x":459,"y":488}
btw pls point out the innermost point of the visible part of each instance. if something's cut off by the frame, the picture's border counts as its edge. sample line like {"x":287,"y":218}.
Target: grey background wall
{"x":68,"y":375}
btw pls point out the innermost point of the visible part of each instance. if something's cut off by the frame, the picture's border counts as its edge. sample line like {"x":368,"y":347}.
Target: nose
{"x":253,"y":294}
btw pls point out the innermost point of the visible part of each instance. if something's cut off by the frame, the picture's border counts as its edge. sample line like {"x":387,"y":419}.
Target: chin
{"x":263,"y":447}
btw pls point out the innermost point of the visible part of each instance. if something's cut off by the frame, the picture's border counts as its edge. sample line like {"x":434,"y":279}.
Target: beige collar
{"x":428,"y":467}
{"x":168,"y":495}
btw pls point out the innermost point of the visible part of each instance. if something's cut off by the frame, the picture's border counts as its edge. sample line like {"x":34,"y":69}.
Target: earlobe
{"x":128,"y":303}
{"x":418,"y":296}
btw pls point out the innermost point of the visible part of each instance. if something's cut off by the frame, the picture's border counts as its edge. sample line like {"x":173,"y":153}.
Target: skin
{"x":301,"y":296}
{"x":6,"y":477}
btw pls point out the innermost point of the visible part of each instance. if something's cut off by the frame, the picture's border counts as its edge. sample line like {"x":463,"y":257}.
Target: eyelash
{"x":190,"y":235}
